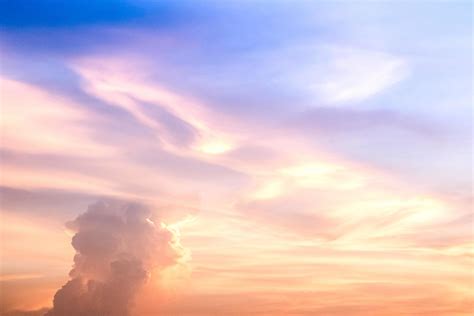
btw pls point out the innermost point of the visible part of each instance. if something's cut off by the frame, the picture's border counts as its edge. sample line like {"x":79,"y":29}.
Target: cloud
{"x":353,"y":75}
{"x":171,"y":127}
{"x":294,"y":213}
{"x":117,"y":247}
{"x":345,"y":121}
{"x":49,"y":202}
{"x":310,"y":74}
{"x":43,"y":126}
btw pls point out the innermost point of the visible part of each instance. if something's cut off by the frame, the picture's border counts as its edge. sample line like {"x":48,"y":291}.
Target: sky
{"x":283,"y":157}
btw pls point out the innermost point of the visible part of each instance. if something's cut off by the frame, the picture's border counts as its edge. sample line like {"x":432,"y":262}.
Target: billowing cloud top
{"x":117,"y":247}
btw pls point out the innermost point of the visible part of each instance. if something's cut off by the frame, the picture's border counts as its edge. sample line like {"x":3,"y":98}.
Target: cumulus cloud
{"x":117,"y":247}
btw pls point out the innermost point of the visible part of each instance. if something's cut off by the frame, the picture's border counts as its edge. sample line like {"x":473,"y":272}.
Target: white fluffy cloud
{"x":117,"y":246}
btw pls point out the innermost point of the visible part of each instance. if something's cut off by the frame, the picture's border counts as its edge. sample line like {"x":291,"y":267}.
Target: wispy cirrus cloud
{"x":351,"y":75}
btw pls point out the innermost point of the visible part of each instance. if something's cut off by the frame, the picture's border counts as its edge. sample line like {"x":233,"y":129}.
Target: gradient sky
{"x":316,"y":157}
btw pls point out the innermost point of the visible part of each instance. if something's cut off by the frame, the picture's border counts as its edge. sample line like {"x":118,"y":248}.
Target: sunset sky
{"x":309,"y":157}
